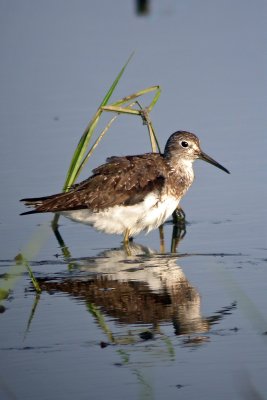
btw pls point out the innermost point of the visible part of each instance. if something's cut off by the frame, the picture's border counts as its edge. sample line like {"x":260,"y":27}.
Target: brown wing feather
{"x":122,"y":180}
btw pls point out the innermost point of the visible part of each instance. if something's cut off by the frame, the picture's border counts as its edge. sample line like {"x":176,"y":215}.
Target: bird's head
{"x":185,"y":146}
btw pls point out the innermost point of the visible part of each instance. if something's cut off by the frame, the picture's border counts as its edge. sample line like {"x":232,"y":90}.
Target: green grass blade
{"x":96,"y":313}
{"x":80,"y":151}
{"x":34,"y":307}
{"x":153,"y":138}
{"x":93,"y":147}
{"x":120,"y":110}
{"x":138,"y":94}
{"x":143,"y":112}
{"x":155,"y":99}
{"x":116,"y":81}
{"x":86,"y":137}
{"x":20,"y":259}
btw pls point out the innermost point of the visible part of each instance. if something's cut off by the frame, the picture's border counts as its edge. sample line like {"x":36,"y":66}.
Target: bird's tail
{"x":35,"y":202}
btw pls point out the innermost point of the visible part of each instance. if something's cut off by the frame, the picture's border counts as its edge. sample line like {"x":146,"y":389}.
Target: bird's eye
{"x":184,"y":143}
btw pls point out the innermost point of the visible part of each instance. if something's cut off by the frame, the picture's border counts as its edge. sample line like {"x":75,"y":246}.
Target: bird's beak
{"x":203,"y":156}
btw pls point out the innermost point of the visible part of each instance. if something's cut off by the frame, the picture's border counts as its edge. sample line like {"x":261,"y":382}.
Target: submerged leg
{"x":126,"y":237}
{"x":178,"y":233}
{"x":126,"y":242}
{"x":161,"y":238}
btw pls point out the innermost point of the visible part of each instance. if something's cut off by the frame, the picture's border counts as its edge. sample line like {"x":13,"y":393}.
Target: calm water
{"x":153,"y":324}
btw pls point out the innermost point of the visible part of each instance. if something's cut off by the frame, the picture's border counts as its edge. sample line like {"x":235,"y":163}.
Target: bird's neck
{"x":183,"y":170}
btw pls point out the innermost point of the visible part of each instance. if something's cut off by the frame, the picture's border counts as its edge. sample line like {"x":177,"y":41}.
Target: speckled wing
{"x":121,"y":181}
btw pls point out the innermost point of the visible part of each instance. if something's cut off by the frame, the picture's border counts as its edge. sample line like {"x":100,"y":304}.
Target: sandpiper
{"x":127,"y":195}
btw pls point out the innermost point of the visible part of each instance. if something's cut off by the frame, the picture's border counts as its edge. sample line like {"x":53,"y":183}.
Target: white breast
{"x":146,"y":215}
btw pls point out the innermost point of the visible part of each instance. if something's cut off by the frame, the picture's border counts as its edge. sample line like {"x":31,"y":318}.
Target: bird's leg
{"x":179,"y":228}
{"x":126,"y":242}
{"x":126,"y":237}
{"x":161,"y":239}
{"x":177,"y":235}
{"x":178,"y":215}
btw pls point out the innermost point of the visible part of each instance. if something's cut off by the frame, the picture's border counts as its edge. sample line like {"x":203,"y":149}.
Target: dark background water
{"x":57,"y":61}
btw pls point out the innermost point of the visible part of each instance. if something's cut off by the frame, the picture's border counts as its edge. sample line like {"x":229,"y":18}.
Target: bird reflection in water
{"x":145,"y":288}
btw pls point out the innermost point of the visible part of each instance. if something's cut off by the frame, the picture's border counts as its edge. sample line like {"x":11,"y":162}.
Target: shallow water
{"x":149,"y":323}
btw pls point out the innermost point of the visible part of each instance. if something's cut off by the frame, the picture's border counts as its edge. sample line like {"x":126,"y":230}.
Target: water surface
{"x":149,"y":324}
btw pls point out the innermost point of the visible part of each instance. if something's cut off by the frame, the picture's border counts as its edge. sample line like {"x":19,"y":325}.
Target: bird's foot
{"x":178,"y":216}
{"x":179,"y":228}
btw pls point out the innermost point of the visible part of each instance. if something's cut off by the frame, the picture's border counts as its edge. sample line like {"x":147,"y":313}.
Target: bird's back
{"x":120,"y":181}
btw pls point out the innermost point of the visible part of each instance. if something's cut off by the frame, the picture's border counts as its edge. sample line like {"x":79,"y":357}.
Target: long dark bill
{"x":208,"y":159}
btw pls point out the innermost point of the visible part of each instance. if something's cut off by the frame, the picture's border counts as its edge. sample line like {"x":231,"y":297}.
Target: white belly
{"x":147,"y":215}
